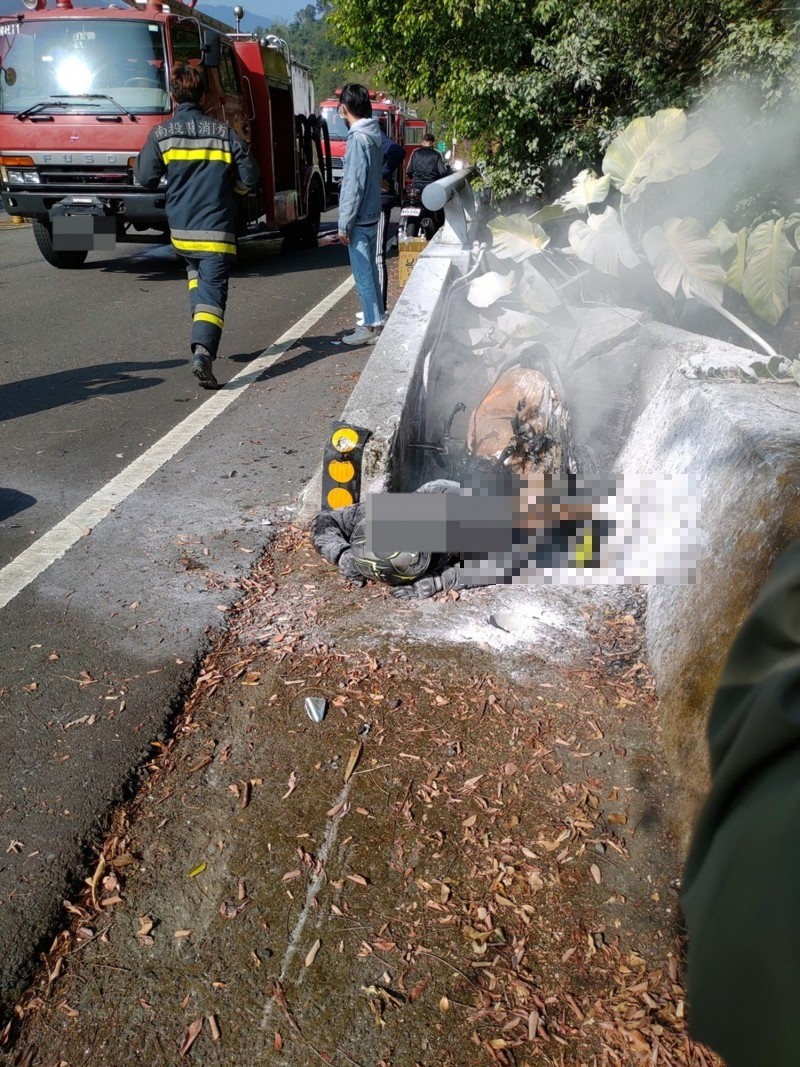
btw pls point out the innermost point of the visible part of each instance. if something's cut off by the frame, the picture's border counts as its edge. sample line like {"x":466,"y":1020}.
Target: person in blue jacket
{"x":206,"y":164}
{"x":360,"y":207}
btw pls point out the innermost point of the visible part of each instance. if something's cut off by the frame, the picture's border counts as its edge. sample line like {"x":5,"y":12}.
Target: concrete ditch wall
{"x":637,"y":413}
{"x":387,"y":397}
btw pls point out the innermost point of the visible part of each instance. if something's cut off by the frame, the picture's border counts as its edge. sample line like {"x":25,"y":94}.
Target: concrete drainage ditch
{"x":636,"y":409}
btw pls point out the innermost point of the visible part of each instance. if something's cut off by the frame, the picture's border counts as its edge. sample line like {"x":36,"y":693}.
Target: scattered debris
{"x":316,"y":707}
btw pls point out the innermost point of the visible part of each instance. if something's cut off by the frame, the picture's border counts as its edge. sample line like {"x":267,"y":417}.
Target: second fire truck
{"x":395,"y":121}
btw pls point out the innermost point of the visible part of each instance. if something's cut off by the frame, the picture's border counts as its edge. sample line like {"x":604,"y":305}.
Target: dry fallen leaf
{"x":212,"y":1022}
{"x":292,"y":785}
{"x":358,"y":879}
{"x":312,"y":952}
{"x":145,"y":925}
{"x":352,"y":763}
{"x":596,"y":873}
{"x":197,"y":870}
{"x":418,"y":990}
{"x":278,"y":1043}
{"x":444,"y":1004}
{"x":191,"y":1036}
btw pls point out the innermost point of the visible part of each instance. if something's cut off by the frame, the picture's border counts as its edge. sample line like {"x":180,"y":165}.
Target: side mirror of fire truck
{"x":211,"y":48}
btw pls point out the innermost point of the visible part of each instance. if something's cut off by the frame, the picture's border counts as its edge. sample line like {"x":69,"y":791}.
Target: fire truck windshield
{"x":336,"y":126}
{"x":119,"y":64}
{"x":338,"y":130}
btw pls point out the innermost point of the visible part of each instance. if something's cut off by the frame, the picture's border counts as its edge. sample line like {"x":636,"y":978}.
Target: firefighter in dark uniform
{"x":741,"y":889}
{"x":206,"y":164}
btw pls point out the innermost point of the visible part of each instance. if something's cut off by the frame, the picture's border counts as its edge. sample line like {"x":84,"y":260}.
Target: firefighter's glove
{"x":348,"y":569}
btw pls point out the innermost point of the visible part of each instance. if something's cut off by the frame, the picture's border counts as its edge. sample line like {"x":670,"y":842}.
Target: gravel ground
{"x":466,"y":862}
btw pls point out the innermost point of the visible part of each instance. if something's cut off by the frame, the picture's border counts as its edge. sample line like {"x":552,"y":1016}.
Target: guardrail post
{"x":453,"y":193}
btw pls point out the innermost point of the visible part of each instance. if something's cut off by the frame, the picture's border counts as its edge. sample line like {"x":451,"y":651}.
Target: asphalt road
{"x":96,"y":650}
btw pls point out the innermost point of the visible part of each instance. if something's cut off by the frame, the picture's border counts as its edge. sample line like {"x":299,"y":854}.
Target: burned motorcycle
{"x":521,"y":424}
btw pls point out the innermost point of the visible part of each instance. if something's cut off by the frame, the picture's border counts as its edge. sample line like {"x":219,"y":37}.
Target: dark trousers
{"x":208,"y":295}
{"x":380,"y":252}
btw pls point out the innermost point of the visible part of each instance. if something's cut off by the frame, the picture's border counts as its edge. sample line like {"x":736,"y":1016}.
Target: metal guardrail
{"x":455,"y":194}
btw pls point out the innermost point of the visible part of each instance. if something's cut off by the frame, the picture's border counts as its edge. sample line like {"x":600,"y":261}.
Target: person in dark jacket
{"x":393,"y":156}
{"x":338,"y":536}
{"x":741,"y":888}
{"x":426,"y":165}
{"x":206,"y":164}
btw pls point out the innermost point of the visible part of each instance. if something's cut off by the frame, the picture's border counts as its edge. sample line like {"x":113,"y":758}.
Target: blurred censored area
{"x":84,"y":233}
{"x":542,"y":530}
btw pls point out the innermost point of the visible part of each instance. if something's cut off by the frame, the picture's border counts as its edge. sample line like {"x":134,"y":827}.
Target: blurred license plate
{"x":84,"y":233}
{"x":411,"y":212}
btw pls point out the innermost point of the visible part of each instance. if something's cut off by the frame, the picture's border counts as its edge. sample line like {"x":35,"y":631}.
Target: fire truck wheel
{"x":44,"y":239}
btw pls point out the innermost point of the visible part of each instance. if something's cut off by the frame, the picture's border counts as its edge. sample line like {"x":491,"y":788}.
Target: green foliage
{"x":542,"y":86}
{"x":685,"y":257}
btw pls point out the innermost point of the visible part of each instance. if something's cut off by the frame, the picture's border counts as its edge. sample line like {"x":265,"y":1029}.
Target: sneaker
{"x":201,"y":367}
{"x":362,"y":335}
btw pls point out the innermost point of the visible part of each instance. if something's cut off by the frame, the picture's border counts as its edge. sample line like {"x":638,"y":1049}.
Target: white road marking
{"x":28,"y":565}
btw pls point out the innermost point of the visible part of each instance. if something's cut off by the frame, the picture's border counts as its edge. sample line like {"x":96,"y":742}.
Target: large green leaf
{"x":602,"y":242}
{"x":765,"y":283}
{"x":517,"y":325}
{"x":735,"y":276}
{"x":723,"y":237}
{"x":487,"y":288}
{"x":630,"y":155}
{"x":536,"y":292}
{"x":516,"y":237}
{"x":684,"y":259}
{"x":548,"y":213}
{"x":586,"y":189}
{"x":667,"y":161}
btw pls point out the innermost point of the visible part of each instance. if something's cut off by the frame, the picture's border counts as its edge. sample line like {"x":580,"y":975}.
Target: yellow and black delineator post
{"x":341,"y":465}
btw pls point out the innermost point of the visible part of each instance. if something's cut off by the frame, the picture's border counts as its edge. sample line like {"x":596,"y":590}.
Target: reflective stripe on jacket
{"x":206,"y":164}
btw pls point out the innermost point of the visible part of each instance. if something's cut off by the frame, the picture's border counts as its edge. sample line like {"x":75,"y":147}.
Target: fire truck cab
{"x":81,"y":89}
{"x":395,"y":121}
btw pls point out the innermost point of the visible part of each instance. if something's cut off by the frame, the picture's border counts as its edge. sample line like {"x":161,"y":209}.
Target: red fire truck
{"x":395,"y":120}
{"x":81,"y":89}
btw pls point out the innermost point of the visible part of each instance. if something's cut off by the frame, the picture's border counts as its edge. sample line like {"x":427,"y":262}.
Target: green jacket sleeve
{"x":742,"y":882}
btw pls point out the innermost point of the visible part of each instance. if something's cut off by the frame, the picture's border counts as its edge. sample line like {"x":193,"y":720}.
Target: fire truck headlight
{"x":23,"y":177}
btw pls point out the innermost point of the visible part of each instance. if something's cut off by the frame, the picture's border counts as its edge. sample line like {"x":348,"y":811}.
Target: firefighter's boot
{"x":201,"y":367}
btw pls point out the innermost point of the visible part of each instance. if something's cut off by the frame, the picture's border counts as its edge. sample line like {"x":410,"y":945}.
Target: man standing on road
{"x":360,"y":207}
{"x":206,"y":164}
{"x":426,"y":164}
